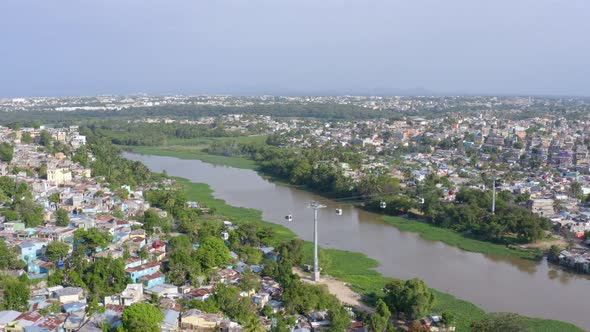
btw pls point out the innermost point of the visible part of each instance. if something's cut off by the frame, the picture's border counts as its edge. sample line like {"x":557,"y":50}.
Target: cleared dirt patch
{"x":339,"y":289}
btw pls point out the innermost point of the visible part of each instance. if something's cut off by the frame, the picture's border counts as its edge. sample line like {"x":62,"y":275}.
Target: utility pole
{"x":494,"y":194}
{"x":316,"y":269}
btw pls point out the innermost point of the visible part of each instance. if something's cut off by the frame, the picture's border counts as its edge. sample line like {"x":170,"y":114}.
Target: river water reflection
{"x":493,"y":283}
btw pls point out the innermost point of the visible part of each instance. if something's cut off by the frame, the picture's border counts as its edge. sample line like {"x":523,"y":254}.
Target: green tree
{"x":301,"y":173}
{"x":105,"y":276}
{"x":6,"y":152}
{"x":266,"y":311}
{"x":92,"y":238}
{"x":53,"y":308}
{"x":182,"y":262}
{"x":16,"y":294}
{"x":208,"y":306}
{"x":45,"y":138}
{"x":249,"y":281}
{"x":239,"y":309}
{"x":575,"y":189}
{"x":378,"y":321}
{"x":150,"y":220}
{"x":26,"y":138}
{"x":142,"y":317}
{"x":553,"y":254}
{"x":94,"y":307}
{"x":339,"y":319}
{"x":61,"y":217}
{"x":56,"y":250}
{"x":8,"y":258}
{"x":30,"y":212}
{"x":42,"y":171}
{"x":411,"y":297}
{"x":250,"y":255}
{"x":448,"y":318}
{"x":122,"y":193}
{"x":212,"y":252}
{"x":54,"y":198}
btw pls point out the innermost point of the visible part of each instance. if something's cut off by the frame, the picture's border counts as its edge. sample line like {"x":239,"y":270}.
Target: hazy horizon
{"x":305,"y":47}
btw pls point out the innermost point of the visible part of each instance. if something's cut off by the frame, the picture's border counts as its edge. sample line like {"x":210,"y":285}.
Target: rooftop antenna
{"x":316,"y":270}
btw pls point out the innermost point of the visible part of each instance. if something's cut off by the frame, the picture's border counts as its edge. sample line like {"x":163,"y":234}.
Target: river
{"x":494,"y":283}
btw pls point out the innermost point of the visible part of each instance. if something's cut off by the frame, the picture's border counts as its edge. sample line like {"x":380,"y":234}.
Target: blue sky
{"x":73,"y":47}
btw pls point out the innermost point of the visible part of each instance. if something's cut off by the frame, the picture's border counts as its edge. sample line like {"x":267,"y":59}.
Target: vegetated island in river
{"x":425,"y":229}
{"x":354,"y":268}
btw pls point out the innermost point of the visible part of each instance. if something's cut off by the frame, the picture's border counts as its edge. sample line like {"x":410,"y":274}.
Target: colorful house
{"x":30,"y":251}
{"x":152,"y":280}
{"x":135,"y":273}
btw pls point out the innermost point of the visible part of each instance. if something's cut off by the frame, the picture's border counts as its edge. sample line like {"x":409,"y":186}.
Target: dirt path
{"x":338,"y":289}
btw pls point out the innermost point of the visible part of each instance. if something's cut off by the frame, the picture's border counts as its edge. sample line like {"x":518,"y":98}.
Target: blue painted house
{"x":143,"y":270}
{"x":152,"y":280}
{"x":30,"y":251}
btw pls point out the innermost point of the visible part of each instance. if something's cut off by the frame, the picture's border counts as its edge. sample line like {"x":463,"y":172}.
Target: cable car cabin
{"x":382,"y":205}
{"x":339,"y":212}
{"x":289,"y":217}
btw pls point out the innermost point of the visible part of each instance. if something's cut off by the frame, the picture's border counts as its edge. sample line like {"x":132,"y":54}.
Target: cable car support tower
{"x":316,"y":269}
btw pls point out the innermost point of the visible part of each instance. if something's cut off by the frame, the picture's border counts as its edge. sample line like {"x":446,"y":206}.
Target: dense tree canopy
{"x":6,"y":152}
{"x":91,"y":239}
{"x":61,"y":217}
{"x":212,"y":252}
{"x":56,"y":250}
{"x":29,"y":212}
{"x":45,"y":138}
{"x":142,"y":317}
{"x":240,"y":309}
{"x":151,"y":220}
{"x":183,"y":264}
{"x":471,"y":213}
{"x":26,"y":138}
{"x":110,"y":164}
{"x":103,"y":277}
{"x":16,"y":294}
{"x":8,"y":257}
{"x":411,"y":297}
{"x":378,"y":321}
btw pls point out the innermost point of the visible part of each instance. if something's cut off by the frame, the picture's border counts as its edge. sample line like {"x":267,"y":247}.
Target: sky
{"x":294,"y":47}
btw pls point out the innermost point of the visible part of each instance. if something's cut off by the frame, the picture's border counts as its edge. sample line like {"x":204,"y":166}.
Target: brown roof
{"x":52,"y":322}
{"x":199,"y":292}
{"x":152,"y":276}
{"x":142,"y":267}
{"x":31,"y":316}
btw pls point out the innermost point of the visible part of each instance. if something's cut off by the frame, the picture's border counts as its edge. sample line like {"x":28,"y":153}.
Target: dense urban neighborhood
{"x":90,"y":241}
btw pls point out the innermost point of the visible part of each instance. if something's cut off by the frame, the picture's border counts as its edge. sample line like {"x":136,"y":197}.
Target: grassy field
{"x":355,"y":268}
{"x":193,"y":152}
{"x":204,"y":141}
{"x":193,"y":149}
{"x":450,"y":237}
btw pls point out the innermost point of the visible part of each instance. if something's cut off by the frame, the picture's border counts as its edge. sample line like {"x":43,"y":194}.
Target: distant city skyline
{"x":304,"y":47}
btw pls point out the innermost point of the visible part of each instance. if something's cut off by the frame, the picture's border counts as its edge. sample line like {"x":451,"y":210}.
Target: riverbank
{"x":354,"y":268}
{"x":427,"y":231}
{"x":452,"y":238}
{"x":190,"y":152}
